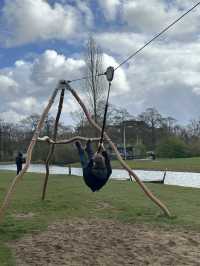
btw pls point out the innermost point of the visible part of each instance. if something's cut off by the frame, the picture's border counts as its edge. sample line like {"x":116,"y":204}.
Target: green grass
{"x":178,"y":164}
{"x":68,"y":197}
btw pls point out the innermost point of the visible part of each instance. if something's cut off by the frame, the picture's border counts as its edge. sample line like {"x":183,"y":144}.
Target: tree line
{"x":149,"y":131}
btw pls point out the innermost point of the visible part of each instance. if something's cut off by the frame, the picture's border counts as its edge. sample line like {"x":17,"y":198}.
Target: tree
{"x":172,"y":147}
{"x":168,"y":124}
{"x":118,"y":115}
{"x":194,"y":128}
{"x":95,"y":85}
{"x":153,"y":119}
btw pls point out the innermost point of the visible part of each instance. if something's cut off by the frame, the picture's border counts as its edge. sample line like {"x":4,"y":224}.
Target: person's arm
{"x":89,"y":149}
{"x":107,"y":162}
{"x":91,"y":163}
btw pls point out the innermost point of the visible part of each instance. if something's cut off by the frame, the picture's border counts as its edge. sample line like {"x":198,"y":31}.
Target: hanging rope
{"x":104,"y":119}
{"x":109,"y":75}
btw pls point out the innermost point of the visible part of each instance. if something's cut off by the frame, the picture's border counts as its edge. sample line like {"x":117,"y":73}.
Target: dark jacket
{"x":96,"y":178}
{"x":19,"y":159}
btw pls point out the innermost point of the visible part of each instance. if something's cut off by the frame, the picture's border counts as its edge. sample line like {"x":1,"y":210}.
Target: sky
{"x":44,"y":41}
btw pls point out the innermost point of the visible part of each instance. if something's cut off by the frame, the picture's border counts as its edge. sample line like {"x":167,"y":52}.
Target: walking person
{"x":19,"y":161}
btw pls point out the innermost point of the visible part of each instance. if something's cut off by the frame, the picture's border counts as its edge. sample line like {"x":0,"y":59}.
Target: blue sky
{"x":44,"y":41}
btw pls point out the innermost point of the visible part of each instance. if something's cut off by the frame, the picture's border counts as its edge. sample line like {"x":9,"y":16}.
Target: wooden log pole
{"x":124,"y":165}
{"x":18,"y":177}
{"x":52,"y":145}
{"x":66,"y":141}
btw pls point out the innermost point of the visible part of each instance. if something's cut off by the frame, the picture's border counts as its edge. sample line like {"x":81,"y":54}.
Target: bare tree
{"x":153,"y":119}
{"x":194,"y":128}
{"x":95,"y":85}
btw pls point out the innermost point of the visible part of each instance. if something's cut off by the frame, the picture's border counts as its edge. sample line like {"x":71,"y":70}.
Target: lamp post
{"x":1,"y":143}
{"x":124,"y":139}
{"x":125,"y":126}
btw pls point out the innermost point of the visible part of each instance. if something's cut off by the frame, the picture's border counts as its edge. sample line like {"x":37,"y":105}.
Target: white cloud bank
{"x":165,"y":75}
{"x":26,"y":86}
{"x":36,"y":20}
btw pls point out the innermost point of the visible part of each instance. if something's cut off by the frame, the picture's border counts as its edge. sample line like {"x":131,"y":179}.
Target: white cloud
{"x":152,"y":18}
{"x":120,"y":43}
{"x":86,"y":11}
{"x":32,"y":20}
{"x":7,"y":85}
{"x":11,"y":116}
{"x":28,"y":104}
{"x":51,"y":66}
{"x":110,"y":8}
{"x":196,"y":90}
{"x":164,"y":75}
{"x":27,"y":86}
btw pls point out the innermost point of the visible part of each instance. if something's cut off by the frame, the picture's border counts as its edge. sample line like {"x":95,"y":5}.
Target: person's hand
{"x":101,"y":147}
{"x":89,"y":141}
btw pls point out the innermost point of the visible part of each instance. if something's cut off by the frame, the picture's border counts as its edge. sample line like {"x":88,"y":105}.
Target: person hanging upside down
{"x":96,"y":167}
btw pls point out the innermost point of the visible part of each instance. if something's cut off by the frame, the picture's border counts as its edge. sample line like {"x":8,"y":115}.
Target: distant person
{"x":96,"y":167}
{"x":19,"y":161}
{"x":153,"y":156}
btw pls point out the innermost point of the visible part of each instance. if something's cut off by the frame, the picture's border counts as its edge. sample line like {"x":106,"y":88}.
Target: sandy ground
{"x":106,"y":243}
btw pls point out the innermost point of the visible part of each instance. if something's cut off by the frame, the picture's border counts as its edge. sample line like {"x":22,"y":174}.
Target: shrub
{"x":172,"y":147}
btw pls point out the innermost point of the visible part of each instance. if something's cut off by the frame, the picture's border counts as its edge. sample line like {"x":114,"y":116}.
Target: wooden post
{"x":52,"y":145}
{"x":124,"y":165}
{"x":18,"y":177}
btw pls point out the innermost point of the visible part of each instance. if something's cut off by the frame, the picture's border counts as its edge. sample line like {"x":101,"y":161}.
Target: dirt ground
{"x":106,"y":243}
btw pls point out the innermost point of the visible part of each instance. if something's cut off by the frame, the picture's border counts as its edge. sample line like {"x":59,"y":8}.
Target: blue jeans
{"x":83,"y":158}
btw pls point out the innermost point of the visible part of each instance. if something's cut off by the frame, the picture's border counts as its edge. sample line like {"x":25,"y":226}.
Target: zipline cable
{"x":86,"y":77}
{"x":156,"y":36}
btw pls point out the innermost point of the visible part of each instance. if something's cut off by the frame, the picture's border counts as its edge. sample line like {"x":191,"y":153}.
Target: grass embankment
{"x":178,"y":164}
{"x":68,"y":197}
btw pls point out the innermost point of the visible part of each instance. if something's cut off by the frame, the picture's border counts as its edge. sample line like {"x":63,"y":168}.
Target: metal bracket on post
{"x":110,"y":73}
{"x":62,"y":84}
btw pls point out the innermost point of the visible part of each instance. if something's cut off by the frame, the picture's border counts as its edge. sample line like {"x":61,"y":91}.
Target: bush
{"x":140,"y":150}
{"x":194,"y":148}
{"x":172,"y":147}
{"x":65,"y":154}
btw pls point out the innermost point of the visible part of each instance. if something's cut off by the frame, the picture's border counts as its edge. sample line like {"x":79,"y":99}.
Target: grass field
{"x":178,"y":164}
{"x":69,"y":197}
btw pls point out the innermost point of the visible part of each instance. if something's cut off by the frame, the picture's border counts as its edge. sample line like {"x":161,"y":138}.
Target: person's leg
{"x":81,"y":152}
{"x":89,"y":150}
{"x":19,"y":168}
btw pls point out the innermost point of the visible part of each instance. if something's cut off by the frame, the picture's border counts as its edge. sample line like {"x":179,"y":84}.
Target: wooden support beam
{"x":66,"y":141}
{"x":18,"y":177}
{"x":52,"y":145}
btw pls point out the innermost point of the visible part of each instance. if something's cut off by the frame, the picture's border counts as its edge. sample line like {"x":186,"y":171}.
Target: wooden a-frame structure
{"x":62,"y":86}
